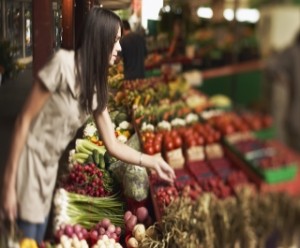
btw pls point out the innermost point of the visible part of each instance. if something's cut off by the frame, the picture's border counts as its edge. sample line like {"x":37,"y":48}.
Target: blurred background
{"x":226,"y":49}
{"x":232,"y":49}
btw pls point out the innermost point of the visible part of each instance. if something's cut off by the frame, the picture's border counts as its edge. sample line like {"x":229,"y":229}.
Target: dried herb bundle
{"x":246,"y":220}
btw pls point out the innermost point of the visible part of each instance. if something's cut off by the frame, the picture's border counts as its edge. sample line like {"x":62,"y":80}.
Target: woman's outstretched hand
{"x":9,"y":203}
{"x":163,"y":169}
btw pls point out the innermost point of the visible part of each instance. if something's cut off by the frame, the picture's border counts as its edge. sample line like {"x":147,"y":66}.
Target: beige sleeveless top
{"x":51,"y":131}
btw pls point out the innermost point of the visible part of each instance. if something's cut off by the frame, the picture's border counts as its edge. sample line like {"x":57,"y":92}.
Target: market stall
{"x":235,"y":186}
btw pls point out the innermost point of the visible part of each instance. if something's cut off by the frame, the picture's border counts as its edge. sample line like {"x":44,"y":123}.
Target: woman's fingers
{"x":9,"y":208}
{"x":13,"y":214}
{"x":166,"y":172}
{"x":8,"y":215}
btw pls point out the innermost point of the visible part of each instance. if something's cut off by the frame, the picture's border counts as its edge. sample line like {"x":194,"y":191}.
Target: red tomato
{"x":217,"y":135}
{"x":210,"y":139}
{"x":150,"y":140}
{"x":200,"y":140}
{"x":174,"y":133}
{"x":228,"y":129}
{"x":158,"y":137}
{"x":191,"y":142}
{"x":169,"y":145}
{"x":157,"y":147}
{"x":177,"y":141}
{"x":149,"y":149}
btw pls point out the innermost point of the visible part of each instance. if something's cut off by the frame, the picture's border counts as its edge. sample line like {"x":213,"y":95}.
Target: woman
{"x":70,"y":87}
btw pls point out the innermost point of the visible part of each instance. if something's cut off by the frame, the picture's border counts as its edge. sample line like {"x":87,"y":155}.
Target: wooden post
{"x":81,"y":10}
{"x":68,"y":33}
{"x":42,"y":22}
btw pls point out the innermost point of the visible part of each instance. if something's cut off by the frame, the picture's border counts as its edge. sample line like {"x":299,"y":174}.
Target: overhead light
{"x":247,"y":15}
{"x":242,"y":15}
{"x":228,"y":14}
{"x":150,"y":11}
{"x":166,"y":9}
{"x":205,"y":12}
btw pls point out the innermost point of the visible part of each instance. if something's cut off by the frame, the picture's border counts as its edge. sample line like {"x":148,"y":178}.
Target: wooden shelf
{"x":233,"y":69}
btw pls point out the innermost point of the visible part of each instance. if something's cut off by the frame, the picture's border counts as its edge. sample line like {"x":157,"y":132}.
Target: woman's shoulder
{"x":63,"y":53}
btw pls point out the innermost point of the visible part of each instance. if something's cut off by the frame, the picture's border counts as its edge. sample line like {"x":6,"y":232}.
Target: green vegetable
{"x":87,"y":146}
{"x":81,"y":149}
{"x":108,"y":159}
{"x":90,"y":159}
{"x":87,"y":211}
{"x":80,"y":157}
{"x":96,"y":156}
{"x":120,"y":117}
{"x":101,"y":161}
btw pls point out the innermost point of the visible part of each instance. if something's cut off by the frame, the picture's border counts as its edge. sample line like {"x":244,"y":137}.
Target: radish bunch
{"x":88,"y":180}
{"x":79,"y":181}
{"x":72,"y":231}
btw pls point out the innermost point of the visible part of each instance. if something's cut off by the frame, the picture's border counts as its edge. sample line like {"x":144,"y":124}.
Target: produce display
{"x":214,"y":201}
{"x":231,"y":122}
{"x":272,"y":164}
{"x":246,"y":219}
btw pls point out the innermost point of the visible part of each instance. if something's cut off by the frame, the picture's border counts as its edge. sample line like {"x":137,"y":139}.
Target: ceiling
{"x":115,"y":4}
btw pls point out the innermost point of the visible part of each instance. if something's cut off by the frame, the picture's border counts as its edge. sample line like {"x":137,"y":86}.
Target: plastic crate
{"x":267,"y":133}
{"x":284,"y":173}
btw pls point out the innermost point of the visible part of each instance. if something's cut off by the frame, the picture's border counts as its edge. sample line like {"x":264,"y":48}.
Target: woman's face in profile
{"x":116,"y":48}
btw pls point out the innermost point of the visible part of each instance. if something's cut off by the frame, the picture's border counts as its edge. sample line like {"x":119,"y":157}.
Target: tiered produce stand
{"x":235,"y":184}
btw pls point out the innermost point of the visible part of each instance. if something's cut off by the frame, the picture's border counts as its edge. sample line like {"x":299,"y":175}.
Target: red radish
{"x":94,"y":235}
{"x":59,"y":233}
{"x":114,"y":236}
{"x":80,"y":235}
{"x":131,"y":223}
{"x":142,"y":214}
{"x":127,"y":215}
{"x":84,"y":232}
{"x":101,"y":230}
{"x":105,"y":223}
{"x":69,"y":230}
{"x":118,"y":230}
{"x":77,"y":228}
{"x":111,"y":228}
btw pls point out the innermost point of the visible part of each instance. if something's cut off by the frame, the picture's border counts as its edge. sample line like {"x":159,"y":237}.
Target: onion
{"x":132,"y":242}
{"x":139,"y":232}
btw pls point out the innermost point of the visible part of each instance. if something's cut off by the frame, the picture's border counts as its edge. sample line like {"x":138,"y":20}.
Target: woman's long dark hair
{"x":92,"y":55}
